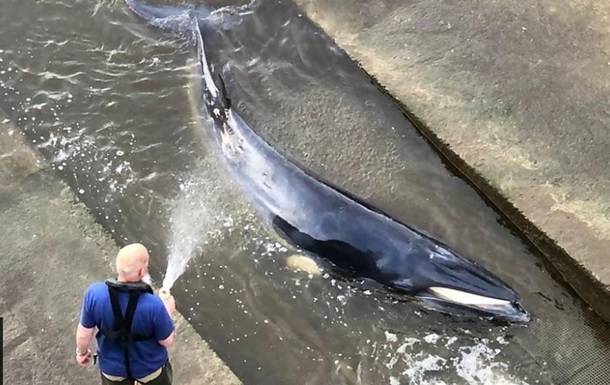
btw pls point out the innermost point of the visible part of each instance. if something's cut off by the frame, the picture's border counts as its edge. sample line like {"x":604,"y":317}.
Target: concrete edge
{"x":584,"y":280}
{"x":560,"y":264}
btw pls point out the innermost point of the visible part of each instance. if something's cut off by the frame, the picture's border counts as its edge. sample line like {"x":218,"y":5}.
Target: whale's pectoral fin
{"x":351,"y":261}
{"x":226,"y":101}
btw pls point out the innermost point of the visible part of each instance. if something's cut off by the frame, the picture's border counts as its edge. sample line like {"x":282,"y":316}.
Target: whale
{"x":320,"y":218}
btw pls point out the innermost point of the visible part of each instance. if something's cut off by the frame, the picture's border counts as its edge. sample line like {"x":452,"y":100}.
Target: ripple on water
{"x":476,"y":364}
{"x":108,"y":108}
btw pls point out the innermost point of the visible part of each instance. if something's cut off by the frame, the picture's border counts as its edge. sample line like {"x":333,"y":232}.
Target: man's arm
{"x":84,"y":332}
{"x":83,"y":338}
{"x":165,"y":324}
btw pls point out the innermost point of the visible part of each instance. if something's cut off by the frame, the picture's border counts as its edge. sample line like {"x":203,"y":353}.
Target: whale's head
{"x":447,"y":281}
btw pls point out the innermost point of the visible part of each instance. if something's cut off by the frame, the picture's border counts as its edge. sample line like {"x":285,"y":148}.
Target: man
{"x":135,"y":326}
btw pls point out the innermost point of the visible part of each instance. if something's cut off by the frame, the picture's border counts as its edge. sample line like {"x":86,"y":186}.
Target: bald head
{"x":132,"y":262}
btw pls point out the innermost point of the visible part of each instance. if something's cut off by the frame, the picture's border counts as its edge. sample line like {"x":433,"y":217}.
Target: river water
{"x":108,"y":101}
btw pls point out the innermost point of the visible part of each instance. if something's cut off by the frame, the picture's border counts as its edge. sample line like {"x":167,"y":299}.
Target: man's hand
{"x":170,"y":304}
{"x":83,"y":339}
{"x":85,"y":359}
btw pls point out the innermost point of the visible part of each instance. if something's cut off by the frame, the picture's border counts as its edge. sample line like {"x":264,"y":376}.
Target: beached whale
{"x":322,"y":219}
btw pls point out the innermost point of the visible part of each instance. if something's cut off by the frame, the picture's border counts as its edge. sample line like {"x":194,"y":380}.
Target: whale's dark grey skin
{"x":330,"y":223}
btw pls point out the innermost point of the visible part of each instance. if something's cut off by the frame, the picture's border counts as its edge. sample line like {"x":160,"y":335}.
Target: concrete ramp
{"x":51,"y":250}
{"x":515,"y":94}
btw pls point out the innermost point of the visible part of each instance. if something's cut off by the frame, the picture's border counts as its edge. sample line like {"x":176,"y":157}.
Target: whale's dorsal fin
{"x":223,"y":96}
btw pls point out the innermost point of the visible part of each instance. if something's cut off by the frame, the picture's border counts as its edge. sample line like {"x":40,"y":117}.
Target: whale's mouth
{"x":443,"y":297}
{"x":464,"y":298}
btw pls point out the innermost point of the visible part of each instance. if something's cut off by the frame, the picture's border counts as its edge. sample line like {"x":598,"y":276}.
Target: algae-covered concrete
{"x":518,"y":94}
{"x":51,"y":250}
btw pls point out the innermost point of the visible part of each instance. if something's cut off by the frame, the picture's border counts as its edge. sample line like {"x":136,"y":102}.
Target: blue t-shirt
{"x":150,"y":318}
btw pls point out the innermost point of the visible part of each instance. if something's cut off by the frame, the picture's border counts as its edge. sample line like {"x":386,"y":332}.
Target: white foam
{"x":431,"y":338}
{"x":390,"y":337}
{"x":475,"y":364}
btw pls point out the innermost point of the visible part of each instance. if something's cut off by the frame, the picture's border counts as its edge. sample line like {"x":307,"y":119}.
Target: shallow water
{"x":108,"y":101}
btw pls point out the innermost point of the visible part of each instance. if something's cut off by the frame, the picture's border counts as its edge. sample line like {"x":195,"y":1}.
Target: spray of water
{"x":195,"y":215}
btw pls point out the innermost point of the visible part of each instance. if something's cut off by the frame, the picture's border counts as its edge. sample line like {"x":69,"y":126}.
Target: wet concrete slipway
{"x":107,"y":102}
{"x":52,"y":249}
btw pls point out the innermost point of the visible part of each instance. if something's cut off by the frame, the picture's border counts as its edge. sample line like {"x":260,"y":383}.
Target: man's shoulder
{"x":151,"y":305}
{"x":94,"y":296}
{"x":152,"y":300}
{"x":97,"y":287}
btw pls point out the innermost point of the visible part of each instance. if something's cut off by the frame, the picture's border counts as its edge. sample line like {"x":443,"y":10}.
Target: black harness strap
{"x":122,"y":326}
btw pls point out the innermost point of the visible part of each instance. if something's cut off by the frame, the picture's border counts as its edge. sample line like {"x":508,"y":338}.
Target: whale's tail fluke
{"x":195,"y":21}
{"x":174,"y":18}
{"x":179,"y":18}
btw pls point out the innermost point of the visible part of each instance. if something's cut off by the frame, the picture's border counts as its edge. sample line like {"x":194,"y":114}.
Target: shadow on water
{"x":108,"y":101}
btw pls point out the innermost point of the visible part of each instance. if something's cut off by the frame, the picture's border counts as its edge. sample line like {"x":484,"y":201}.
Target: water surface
{"x":108,"y":101}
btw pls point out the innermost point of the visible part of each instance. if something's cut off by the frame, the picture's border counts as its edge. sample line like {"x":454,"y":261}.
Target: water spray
{"x":192,"y":219}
